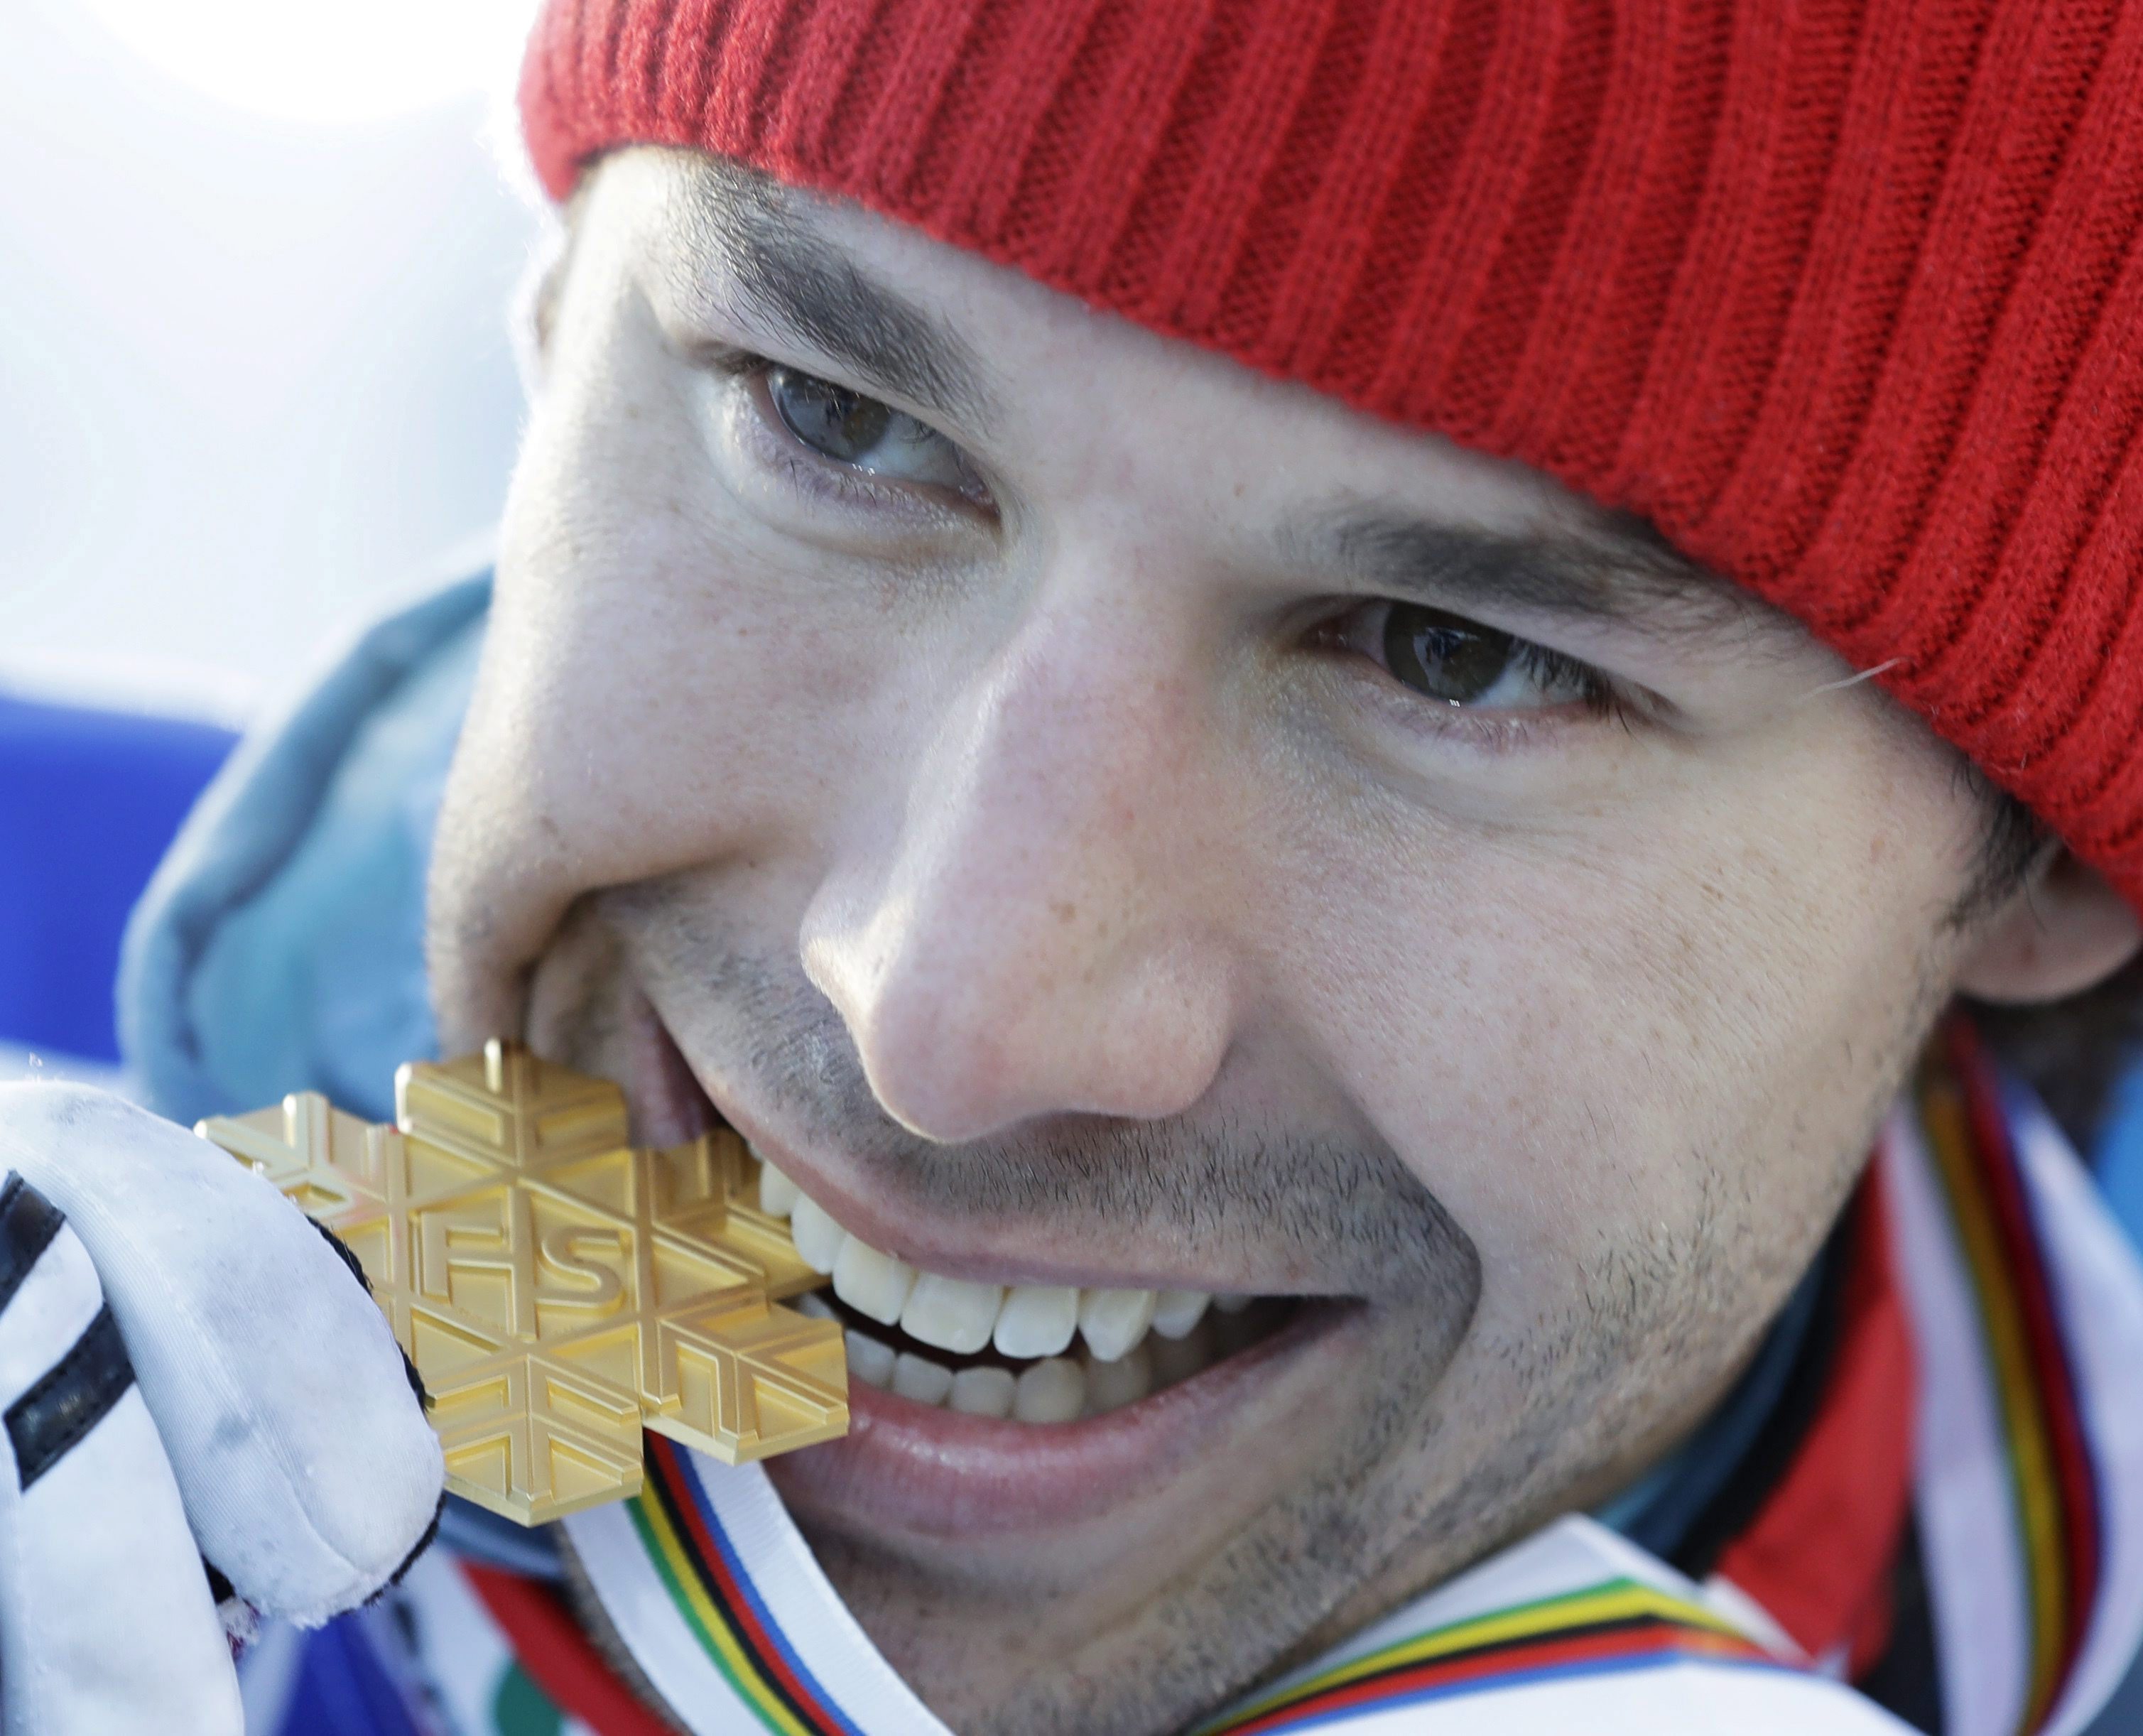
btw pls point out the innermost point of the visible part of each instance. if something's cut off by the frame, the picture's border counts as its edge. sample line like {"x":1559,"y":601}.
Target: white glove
{"x":189,"y":1372}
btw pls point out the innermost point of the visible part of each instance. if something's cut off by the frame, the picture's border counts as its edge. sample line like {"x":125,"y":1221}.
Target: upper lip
{"x":1019,"y":1253}
{"x":924,"y":1244}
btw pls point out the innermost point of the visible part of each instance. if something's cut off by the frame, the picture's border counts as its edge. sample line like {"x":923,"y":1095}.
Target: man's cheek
{"x":1534,"y":1059}
{"x":627,"y":724}
{"x":608,"y":746}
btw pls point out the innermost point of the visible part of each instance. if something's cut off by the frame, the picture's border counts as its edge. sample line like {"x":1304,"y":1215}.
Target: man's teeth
{"x":1112,"y":1321}
{"x":873,"y":1284}
{"x":983,"y":1392}
{"x":1053,"y":1390}
{"x":919,"y":1378}
{"x":1176,"y":1312}
{"x":1125,"y":1380}
{"x":777,"y":1194}
{"x":817,"y":1236}
{"x":1133,"y":1340}
{"x":870,"y":1360}
{"x":950,"y":1312}
{"x":1036,"y":1320}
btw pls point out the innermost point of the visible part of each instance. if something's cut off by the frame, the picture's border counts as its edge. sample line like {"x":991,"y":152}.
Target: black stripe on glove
{"x":74,"y":1395}
{"x":70,"y":1398}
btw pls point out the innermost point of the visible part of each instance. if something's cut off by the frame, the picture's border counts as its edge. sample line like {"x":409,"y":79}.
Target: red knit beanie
{"x":1846,"y":299}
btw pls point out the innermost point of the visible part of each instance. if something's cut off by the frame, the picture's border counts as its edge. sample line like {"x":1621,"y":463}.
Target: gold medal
{"x":557,"y":1288}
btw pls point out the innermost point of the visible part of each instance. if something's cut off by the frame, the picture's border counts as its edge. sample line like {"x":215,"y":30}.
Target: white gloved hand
{"x":189,"y":1372}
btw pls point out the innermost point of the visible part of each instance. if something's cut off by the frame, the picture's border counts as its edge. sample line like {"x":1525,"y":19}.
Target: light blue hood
{"x":280,"y":945}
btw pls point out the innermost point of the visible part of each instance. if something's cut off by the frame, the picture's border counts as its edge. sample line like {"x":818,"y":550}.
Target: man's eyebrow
{"x":1618,"y":571}
{"x":790,"y":275}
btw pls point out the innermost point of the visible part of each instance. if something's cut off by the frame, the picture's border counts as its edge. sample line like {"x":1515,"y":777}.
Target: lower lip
{"x":928,"y":1471}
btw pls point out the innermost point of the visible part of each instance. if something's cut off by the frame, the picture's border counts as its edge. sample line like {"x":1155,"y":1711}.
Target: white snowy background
{"x":256,"y":375}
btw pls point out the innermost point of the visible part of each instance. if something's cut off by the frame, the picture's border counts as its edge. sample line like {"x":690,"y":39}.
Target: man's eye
{"x":1443,"y":656}
{"x":1460,"y":663}
{"x":846,"y":427}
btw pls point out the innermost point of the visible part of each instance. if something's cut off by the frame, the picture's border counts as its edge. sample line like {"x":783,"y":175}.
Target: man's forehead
{"x":812,"y":270}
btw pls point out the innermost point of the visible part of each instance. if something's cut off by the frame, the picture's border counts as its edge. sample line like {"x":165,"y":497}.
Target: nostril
{"x":943,"y":1083}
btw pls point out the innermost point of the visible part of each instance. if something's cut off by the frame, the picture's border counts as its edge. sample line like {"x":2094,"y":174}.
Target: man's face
{"x":1096,"y":817}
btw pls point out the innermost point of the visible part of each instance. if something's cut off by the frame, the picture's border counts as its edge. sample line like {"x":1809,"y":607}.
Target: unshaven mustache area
{"x":1350,"y":1211}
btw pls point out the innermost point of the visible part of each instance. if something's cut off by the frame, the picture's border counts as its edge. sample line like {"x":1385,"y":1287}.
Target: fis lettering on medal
{"x":556,"y":1289}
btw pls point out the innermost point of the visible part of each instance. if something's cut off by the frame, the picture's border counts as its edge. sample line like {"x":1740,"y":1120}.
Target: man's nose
{"x":1031,"y":930}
